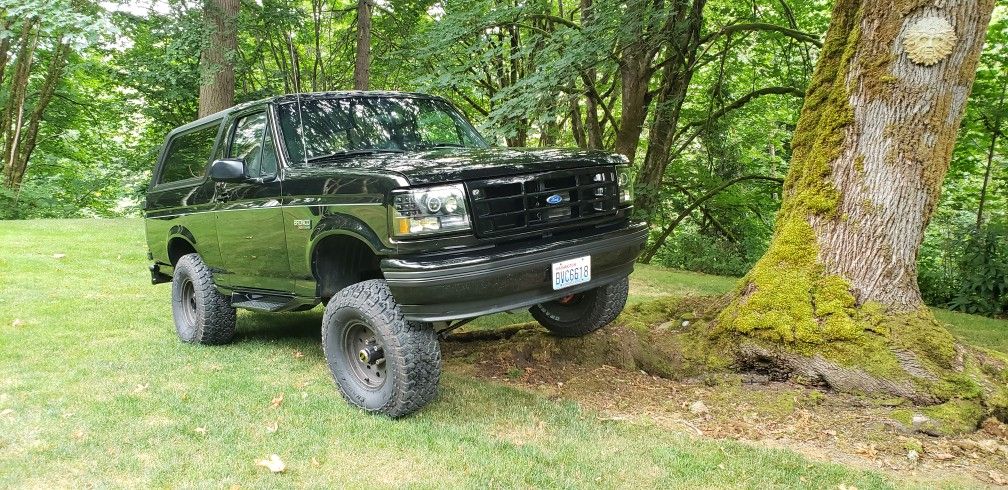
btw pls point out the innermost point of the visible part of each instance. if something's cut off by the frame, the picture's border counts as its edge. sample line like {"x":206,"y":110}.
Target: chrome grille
{"x":543,"y":201}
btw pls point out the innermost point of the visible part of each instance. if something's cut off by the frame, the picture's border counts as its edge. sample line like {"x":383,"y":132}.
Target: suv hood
{"x":456,"y":164}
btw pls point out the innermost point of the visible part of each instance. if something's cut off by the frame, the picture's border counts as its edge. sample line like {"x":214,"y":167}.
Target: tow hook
{"x":371,"y":354}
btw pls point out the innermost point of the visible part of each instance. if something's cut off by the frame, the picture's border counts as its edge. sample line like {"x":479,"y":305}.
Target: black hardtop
{"x":287,"y":98}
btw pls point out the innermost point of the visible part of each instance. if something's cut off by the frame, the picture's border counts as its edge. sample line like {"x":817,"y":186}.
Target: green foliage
{"x":963,"y":268}
{"x":694,"y":250}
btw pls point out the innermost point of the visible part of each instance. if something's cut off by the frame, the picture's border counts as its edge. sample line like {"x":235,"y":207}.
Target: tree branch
{"x":763,"y":26}
{"x":653,"y":249}
{"x":739,"y":102}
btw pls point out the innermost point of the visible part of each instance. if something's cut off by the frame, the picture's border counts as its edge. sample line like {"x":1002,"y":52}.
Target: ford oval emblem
{"x":554,"y":199}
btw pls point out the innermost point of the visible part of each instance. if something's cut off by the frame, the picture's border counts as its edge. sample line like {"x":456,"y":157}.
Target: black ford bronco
{"x":395,"y":213}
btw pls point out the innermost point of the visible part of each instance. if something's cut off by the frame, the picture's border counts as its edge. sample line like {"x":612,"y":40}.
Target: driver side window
{"x":247,"y":143}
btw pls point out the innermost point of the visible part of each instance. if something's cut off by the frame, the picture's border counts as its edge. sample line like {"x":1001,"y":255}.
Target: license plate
{"x":571,"y":272}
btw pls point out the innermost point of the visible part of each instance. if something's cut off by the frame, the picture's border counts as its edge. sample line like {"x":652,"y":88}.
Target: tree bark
{"x":873,"y":144}
{"x":362,"y":62}
{"x":635,"y":75}
{"x":673,"y":87}
{"x":217,"y":85}
{"x":5,"y":48}
{"x":835,"y":297}
{"x":995,"y":129}
{"x":12,"y":116}
{"x":24,"y":148}
{"x":593,"y":127}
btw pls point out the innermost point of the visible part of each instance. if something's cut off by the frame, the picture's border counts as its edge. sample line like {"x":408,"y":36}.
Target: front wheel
{"x":381,"y":362}
{"x":583,"y":313}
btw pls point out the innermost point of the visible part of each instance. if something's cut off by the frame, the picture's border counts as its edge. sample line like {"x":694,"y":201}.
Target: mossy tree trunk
{"x":835,"y":298}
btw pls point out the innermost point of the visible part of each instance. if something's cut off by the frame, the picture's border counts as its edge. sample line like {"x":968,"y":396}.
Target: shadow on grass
{"x":301,"y":331}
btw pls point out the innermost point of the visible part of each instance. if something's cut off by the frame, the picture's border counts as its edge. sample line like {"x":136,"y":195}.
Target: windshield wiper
{"x":440,"y":145}
{"x":352,"y":153}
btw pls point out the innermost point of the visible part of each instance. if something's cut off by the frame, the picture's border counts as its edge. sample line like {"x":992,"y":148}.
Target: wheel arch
{"x":340,"y":258}
{"x":180,"y":242}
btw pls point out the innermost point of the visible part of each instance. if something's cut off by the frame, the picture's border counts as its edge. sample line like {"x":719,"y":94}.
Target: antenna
{"x":297,"y":97}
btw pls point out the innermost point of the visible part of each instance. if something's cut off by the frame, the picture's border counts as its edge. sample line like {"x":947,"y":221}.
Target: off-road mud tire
{"x":412,"y":355}
{"x":585,"y":312}
{"x":206,"y":317}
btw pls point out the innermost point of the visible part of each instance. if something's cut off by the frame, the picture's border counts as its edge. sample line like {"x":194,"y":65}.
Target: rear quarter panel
{"x":185,"y":211}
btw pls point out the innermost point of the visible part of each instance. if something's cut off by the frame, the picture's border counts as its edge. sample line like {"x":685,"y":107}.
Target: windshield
{"x":334,"y":127}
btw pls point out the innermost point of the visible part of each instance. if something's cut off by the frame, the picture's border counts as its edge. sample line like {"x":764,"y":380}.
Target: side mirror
{"x":228,"y":170}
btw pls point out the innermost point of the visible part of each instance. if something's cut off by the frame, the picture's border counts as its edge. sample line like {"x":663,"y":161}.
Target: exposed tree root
{"x":945,"y":387}
{"x":816,"y":370}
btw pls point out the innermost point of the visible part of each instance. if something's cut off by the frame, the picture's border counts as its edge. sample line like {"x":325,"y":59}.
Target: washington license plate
{"x":571,"y":272}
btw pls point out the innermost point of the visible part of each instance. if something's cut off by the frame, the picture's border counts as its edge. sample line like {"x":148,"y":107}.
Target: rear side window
{"x":188,"y":154}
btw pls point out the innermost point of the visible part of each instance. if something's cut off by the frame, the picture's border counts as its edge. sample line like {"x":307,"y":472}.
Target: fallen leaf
{"x":698,"y":407}
{"x":913,"y":455}
{"x":272,"y":427}
{"x":200,"y":430}
{"x":58,"y":256}
{"x":315,"y":462}
{"x":993,"y":427}
{"x":989,"y":445}
{"x":870,"y":451}
{"x":18,"y":323}
{"x":277,"y":400}
{"x":140,"y":388}
{"x":298,"y":354}
{"x":7,"y":412}
{"x":273,"y":463}
{"x":78,"y":434}
{"x":943,"y":456}
{"x":185,"y":396}
{"x":997,"y":478}
{"x":831,"y":433}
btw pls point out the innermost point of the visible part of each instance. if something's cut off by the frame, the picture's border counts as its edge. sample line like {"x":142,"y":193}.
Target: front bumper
{"x":481,"y":282}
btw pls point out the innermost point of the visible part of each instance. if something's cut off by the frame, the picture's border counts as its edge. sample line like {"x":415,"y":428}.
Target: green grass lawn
{"x":95,"y":390}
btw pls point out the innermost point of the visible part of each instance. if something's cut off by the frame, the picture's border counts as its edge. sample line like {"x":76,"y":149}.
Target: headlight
{"x":429,"y":211}
{"x":625,"y":181}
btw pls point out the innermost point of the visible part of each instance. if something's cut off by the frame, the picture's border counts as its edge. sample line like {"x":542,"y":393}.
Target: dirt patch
{"x":623,"y":375}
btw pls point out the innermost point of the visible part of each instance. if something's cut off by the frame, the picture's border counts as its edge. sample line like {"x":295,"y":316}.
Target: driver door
{"x":249,"y":217}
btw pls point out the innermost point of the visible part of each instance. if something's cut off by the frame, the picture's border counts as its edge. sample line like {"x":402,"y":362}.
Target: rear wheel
{"x":582,"y":313}
{"x":202,"y":315}
{"x":381,"y":362}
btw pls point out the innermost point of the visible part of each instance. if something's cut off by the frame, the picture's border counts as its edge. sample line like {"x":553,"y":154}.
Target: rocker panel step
{"x":260,"y":302}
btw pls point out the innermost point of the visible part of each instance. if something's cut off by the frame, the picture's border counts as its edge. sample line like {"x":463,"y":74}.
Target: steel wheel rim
{"x":357,"y":337}
{"x":187,"y":306}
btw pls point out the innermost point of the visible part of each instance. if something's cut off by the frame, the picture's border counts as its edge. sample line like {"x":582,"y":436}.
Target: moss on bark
{"x":790,"y":310}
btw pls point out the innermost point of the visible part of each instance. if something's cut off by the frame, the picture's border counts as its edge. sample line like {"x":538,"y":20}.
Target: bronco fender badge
{"x":554,"y":199}
{"x":302,"y":224}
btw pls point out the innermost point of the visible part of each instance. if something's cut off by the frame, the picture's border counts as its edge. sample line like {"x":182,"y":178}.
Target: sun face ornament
{"x":929,"y":40}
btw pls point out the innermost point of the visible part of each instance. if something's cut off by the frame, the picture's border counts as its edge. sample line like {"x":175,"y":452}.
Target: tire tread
{"x":414,"y":345}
